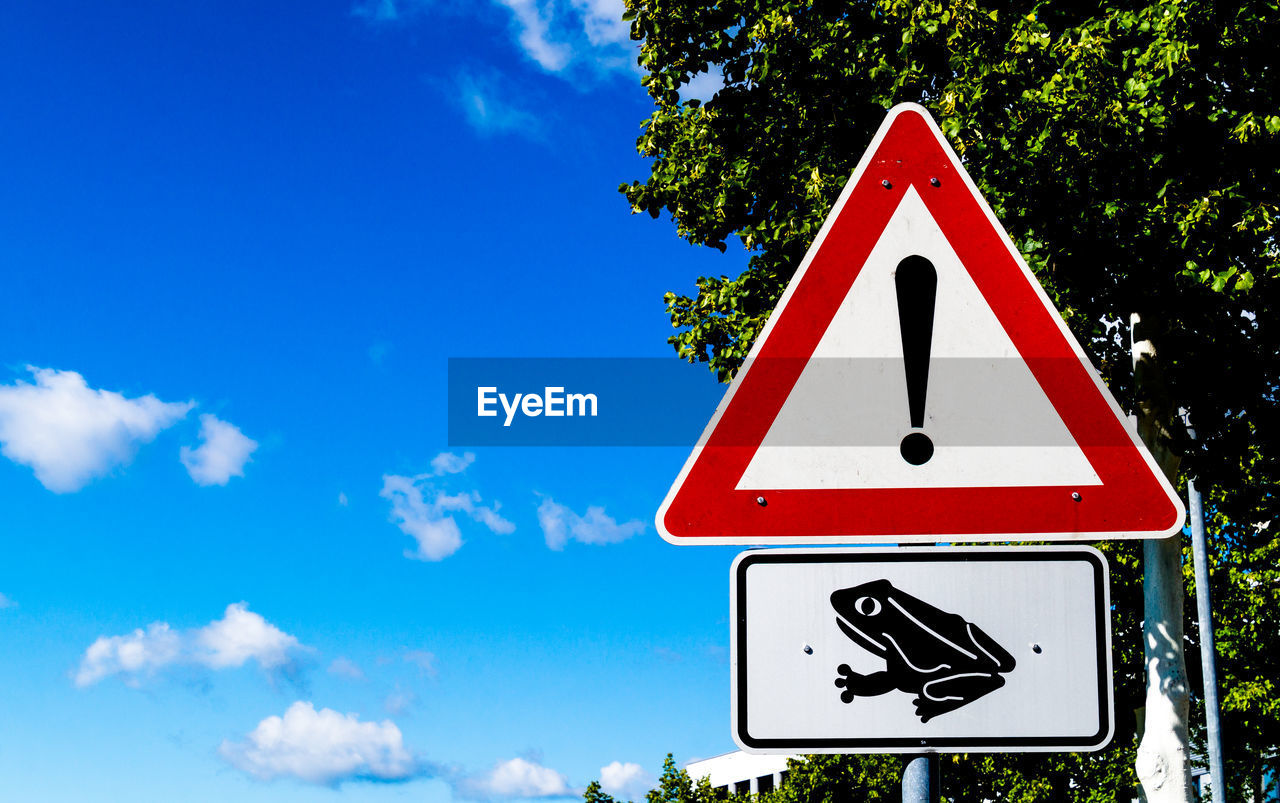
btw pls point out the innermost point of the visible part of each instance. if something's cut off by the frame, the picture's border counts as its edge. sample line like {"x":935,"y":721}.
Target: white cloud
{"x":488,"y":107}
{"x":70,"y":433}
{"x":450,"y":463}
{"x":346,"y":668}
{"x":560,"y":525}
{"x":437,"y":535}
{"x":321,"y":747}
{"x":221,"y":455}
{"x":139,"y":654}
{"x":237,"y":638}
{"x":559,"y":36}
{"x":428,"y":514}
{"x":628,"y":781}
{"x":533,"y":30}
{"x":602,"y":21}
{"x":242,"y":635}
{"x":425,"y":661}
{"x":6,"y":602}
{"x":517,"y":778}
{"x":399,"y":701}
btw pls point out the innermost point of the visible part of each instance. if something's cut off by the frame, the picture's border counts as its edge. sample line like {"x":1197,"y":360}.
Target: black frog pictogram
{"x":946,"y":661}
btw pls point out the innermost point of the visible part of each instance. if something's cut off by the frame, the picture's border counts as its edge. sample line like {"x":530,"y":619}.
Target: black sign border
{"x":954,"y":744}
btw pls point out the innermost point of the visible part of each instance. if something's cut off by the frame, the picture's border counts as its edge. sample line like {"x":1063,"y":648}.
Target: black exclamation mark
{"x":917,"y":286}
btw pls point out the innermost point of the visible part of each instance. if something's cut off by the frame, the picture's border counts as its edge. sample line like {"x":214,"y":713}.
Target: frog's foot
{"x":927,"y":709}
{"x":856,"y":685}
{"x":949,"y":693}
{"x":846,"y":679}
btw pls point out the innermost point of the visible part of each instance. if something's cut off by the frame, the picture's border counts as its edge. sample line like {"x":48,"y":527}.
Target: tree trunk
{"x":1163,"y":764}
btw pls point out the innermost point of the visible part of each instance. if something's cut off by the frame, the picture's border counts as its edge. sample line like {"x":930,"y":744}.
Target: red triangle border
{"x":703,"y":506}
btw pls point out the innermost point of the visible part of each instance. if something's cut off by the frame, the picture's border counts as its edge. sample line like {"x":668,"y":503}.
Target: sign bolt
{"x":1036,"y":649}
{"x":1076,"y":495}
{"x":885,"y":183}
{"x":808,"y":650}
{"x":761,"y":501}
{"x":934,"y":181}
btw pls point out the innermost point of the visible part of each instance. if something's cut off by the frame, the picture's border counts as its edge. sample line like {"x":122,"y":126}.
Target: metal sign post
{"x":1208,"y":651}
{"x":921,"y":780}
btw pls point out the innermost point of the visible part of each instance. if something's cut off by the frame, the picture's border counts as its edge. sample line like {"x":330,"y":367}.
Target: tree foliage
{"x":594,"y":793}
{"x":1246,"y":602}
{"x":839,"y":779}
{"x":1131,"y":150}
{"x":675,"y":786}
{"x":1133,"y":155}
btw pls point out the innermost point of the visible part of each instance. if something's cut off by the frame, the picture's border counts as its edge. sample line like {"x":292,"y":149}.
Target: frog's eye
{"x":867,"y":606}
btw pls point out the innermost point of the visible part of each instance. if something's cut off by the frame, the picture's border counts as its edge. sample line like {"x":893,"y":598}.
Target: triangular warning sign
{"x":915,"y":383}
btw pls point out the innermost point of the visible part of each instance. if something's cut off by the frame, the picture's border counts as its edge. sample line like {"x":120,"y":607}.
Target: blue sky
{"x":242,"y":561}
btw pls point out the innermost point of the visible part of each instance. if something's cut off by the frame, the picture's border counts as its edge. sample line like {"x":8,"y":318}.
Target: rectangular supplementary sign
{"x":921,"y":650}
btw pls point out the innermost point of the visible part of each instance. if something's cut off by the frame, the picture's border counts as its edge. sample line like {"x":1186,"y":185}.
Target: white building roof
{"x":735,"y":767}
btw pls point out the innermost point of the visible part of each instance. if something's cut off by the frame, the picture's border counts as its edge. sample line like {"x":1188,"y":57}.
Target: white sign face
{"x":988,"y":419}
{"x":921,"y":650}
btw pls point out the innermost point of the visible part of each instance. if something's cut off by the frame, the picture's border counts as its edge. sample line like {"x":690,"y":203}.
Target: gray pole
{"x":1208,"y":654}
{"x":920,"y":780}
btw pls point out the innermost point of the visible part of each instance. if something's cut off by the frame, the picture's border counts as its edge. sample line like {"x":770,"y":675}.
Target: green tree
{"x":1246,"y":599}
{"x":1132,"y":154}
{"x":675,"y":786}
{"x":839,"y":779}
{"x":1132,"y":151}
{"x":595,"y":794}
